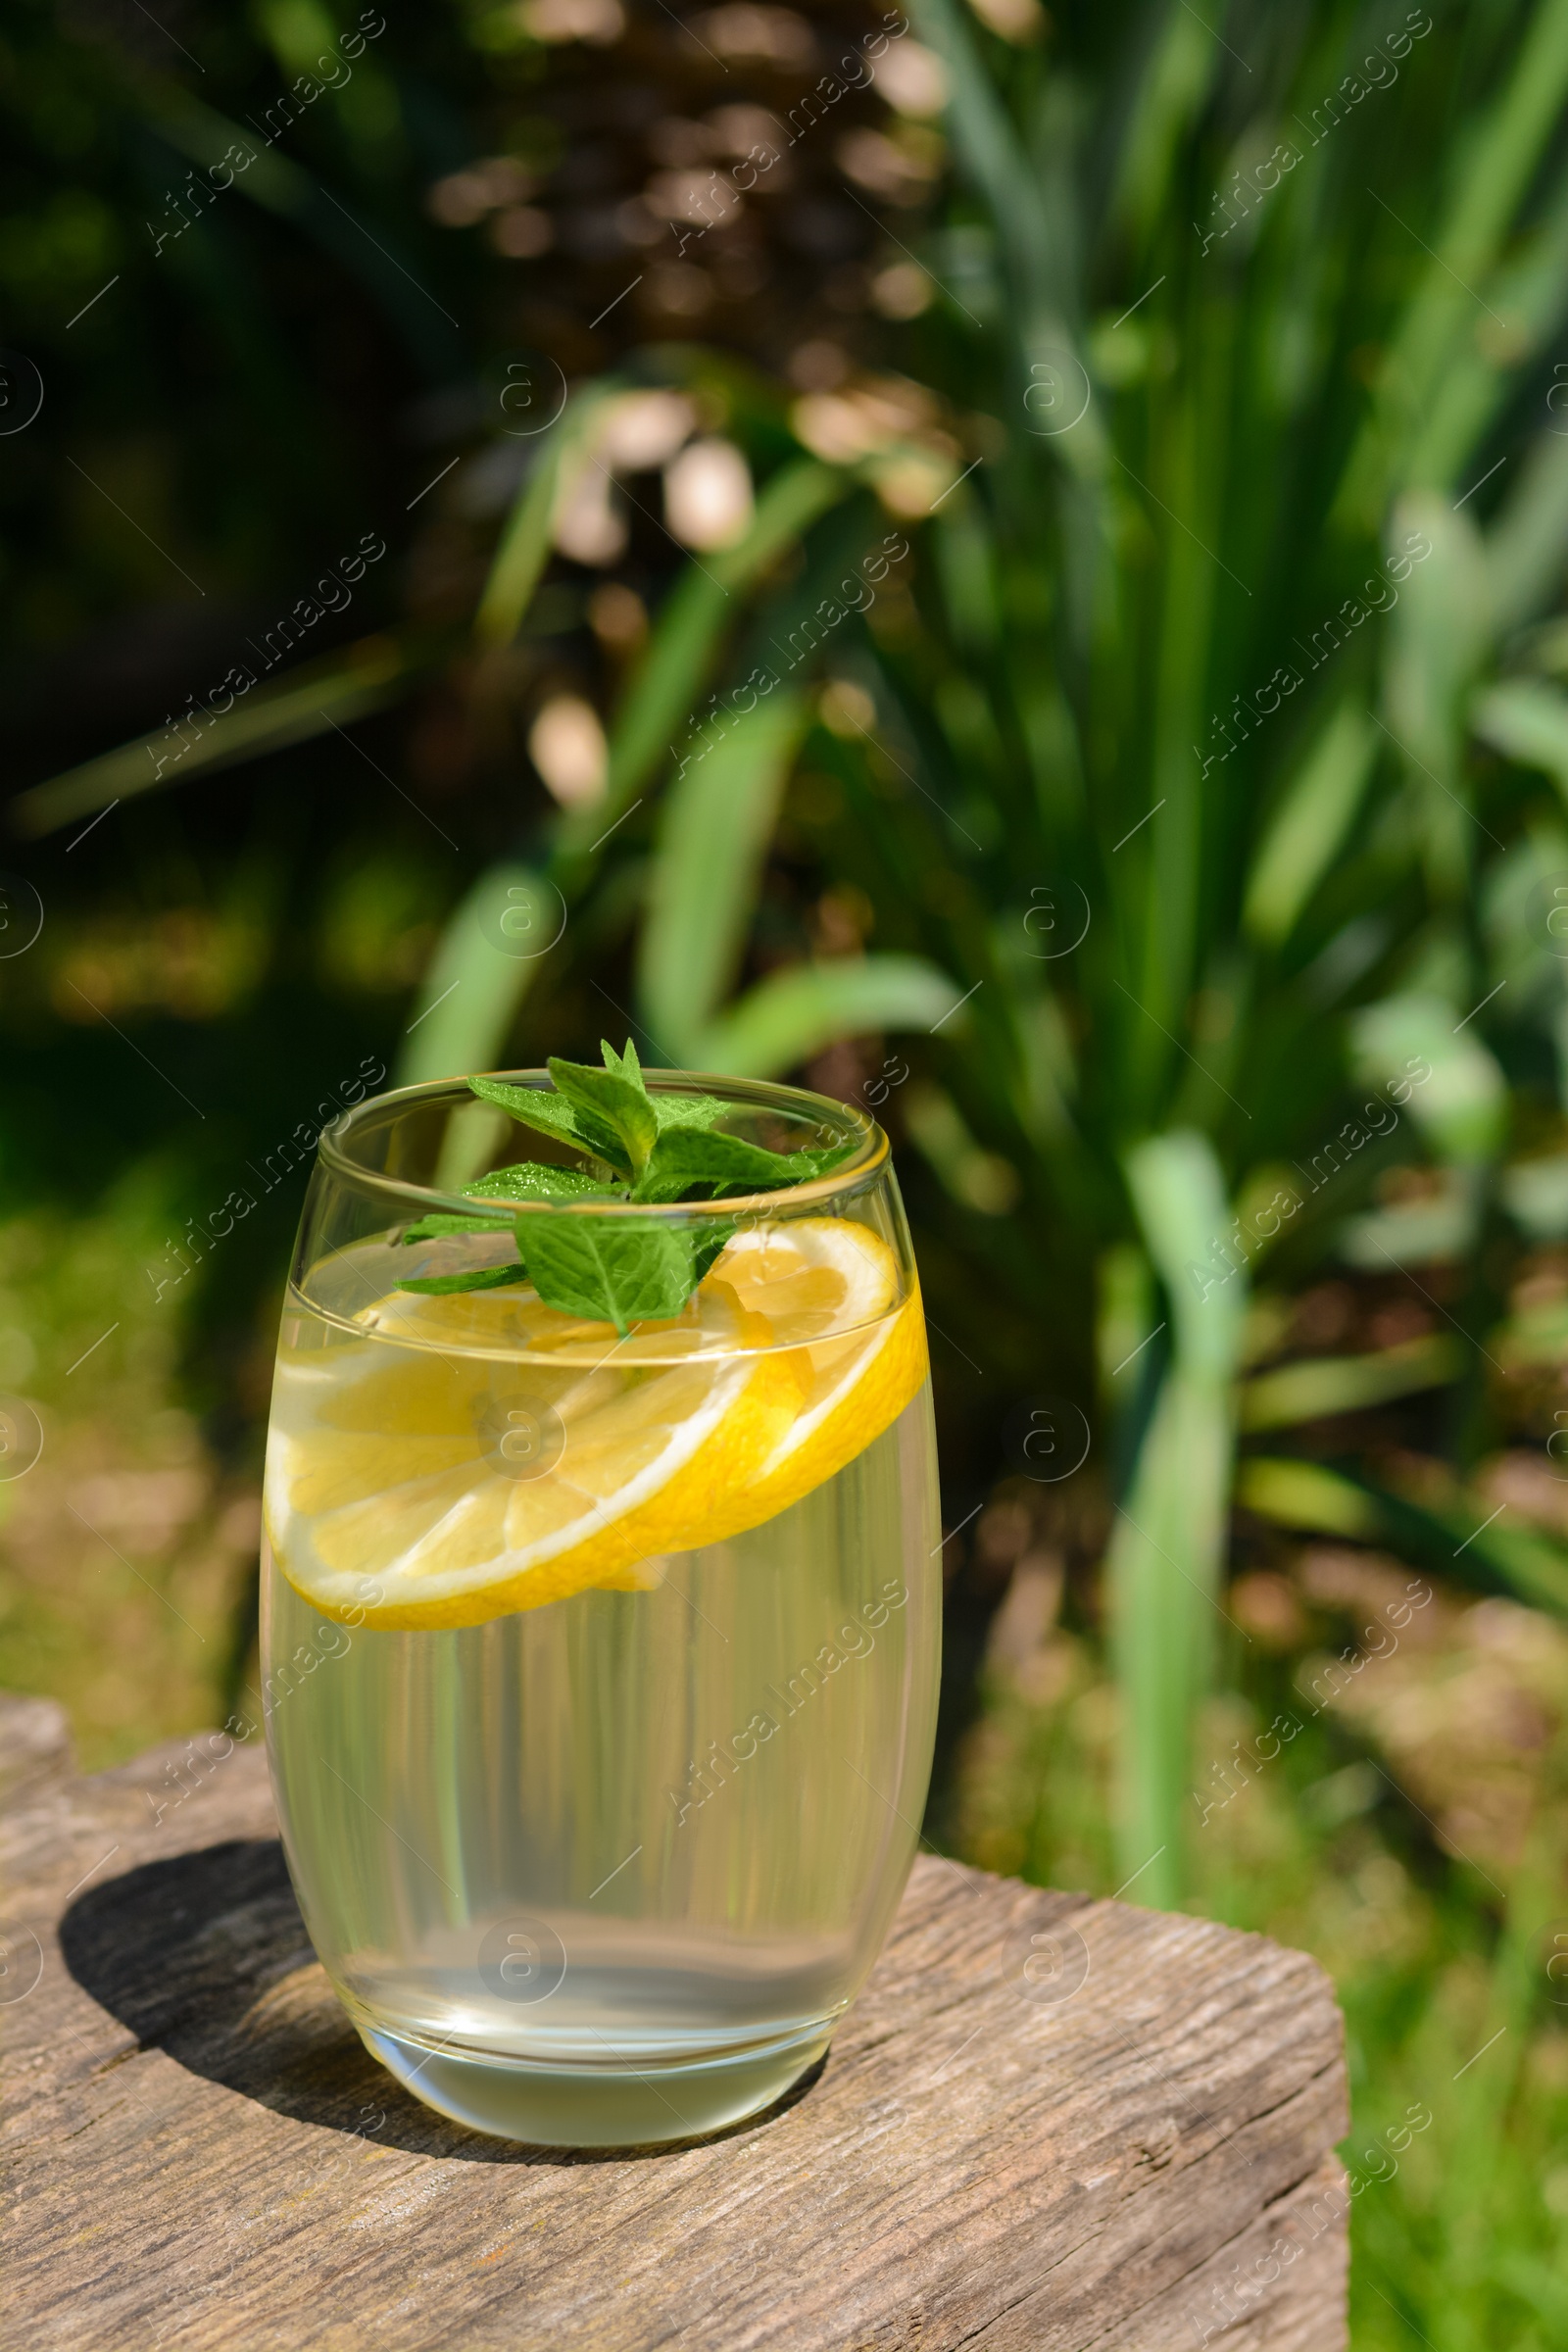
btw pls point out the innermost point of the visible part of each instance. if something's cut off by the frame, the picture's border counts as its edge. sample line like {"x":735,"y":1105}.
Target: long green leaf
{"x":307,"y":701}
{"x":1526,"y":545}
{"x":793,"y":1015}
{"x":716,"y":820}
{"x":1308,"y":1494}
{"x":488,"y":957}
{"x":523,"y":549}
{"x":685,"y":643}
{"x":1170,"y":906}
{"x":1167,"y":1547}
{"x":993,"y":156}
{"x":1456,"y":1534}
{"x":1175,"y":79}
{"x":1439,"y":634}
{"x":1346,"y":1384}
{"x":1308,"y":829}
{"x":1455,"y":1090}
{"x":1528,"y":723}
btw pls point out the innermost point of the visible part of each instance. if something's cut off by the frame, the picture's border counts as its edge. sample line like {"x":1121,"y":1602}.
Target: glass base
{"x":597,"y":2107}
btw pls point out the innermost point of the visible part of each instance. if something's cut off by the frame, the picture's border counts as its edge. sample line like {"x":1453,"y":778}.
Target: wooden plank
{"x":1049,"y":2123}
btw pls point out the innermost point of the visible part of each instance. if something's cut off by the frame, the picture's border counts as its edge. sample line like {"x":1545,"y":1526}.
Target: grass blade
{"x":1309,"y":827}
{"x":793,"y":1015}
{"x":1163,"y":1574}
{"x":1527,"y":722}
{"x":1171,"y":90}
{"x":1461,"y":1104}
{"x":1453,"y":1532}
{"x":1346,"y":1384}
{"x":1438,"y":637}
{"x":1526,"y":541}
{"x":307,"y":701}
{"x":1167,"y":1548}
{"x":686,"y":640}
{"x":714,"y":829}
{"x":1307,"y":1496}
{"x":488,"y":955}
{"x":524,"y":547}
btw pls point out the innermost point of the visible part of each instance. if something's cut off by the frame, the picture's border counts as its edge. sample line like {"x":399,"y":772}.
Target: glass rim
{"x":871,"y":1161}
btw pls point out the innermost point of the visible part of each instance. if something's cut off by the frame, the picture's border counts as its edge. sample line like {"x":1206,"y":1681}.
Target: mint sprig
{"x":653,"y":1149}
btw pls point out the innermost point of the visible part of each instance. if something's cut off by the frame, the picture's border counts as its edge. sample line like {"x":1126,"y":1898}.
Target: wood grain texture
{"x":1048,"y":2125}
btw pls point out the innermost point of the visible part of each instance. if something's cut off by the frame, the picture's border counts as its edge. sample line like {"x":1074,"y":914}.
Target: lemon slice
{"x":478,"y":1453}
{"x":817,"y":1279}
{"x":417,"y":1487}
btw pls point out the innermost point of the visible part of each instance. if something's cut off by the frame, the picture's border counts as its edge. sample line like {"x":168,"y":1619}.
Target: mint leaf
{"x":434,"y":1228}
{"x":530,"y":1180}
{"x":617,"y":1270}
{"x":661,"y":1191}
{"x":552,"y":1114}
{"x":625,"y":1065}
{"x":621,"y":1103}
{"x":479,"y":1278}
{"x":687,"y":1110}
{"x":686,"y":1156}
{"x":822,"y":1162}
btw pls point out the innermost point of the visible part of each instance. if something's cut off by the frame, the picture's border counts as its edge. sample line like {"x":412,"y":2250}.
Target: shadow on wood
{"x":204,"y":1956}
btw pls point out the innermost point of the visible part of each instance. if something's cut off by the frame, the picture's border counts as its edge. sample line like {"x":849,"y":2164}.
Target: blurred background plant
{"x":1009,"y":566}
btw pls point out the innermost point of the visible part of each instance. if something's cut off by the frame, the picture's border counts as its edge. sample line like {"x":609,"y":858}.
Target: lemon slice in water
{"x":830,"y":1290}
{"x":479,"y":1453}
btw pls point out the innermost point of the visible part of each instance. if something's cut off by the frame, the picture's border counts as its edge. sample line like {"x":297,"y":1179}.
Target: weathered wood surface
{"x":200,"y":2153}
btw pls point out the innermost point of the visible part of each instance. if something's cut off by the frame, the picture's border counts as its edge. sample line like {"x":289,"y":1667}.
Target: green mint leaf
{"x":822,"y":1162}
{"x":552,"y":1114}
{"x":434,"y":1228}
{"x":687,"y":1156}
{"x":530,"y":1180}
{"x":684,"y":1156}
{"x":687,"y":1110}
{"x":621,"y":1103}
{"x":659,"y":1192}
{"x":612,"y":1269}
{"x":624,"y":1066}
{"x":480,"y":1278}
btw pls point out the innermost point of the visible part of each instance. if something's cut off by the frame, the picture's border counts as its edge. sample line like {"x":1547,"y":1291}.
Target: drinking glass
{"x":600,"y":1670}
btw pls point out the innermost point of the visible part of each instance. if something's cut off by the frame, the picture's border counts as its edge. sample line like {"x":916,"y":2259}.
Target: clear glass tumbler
{"x":600,"y":1670}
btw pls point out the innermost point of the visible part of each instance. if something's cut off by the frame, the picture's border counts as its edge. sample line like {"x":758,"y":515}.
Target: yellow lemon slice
{"x":478,"y":1453}
{"x":830,"y":1286}
{"x":412,"y":1486}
